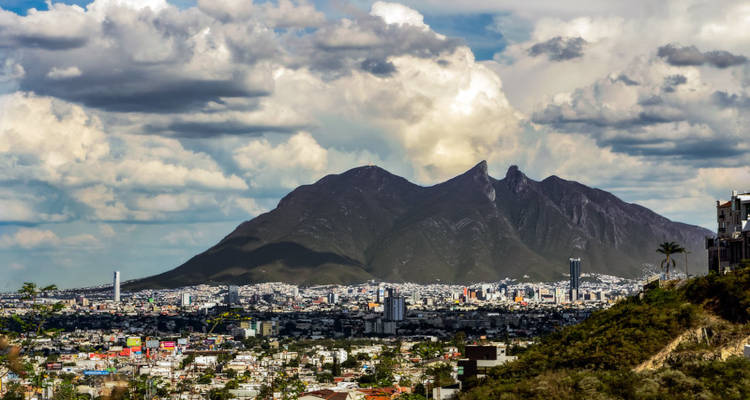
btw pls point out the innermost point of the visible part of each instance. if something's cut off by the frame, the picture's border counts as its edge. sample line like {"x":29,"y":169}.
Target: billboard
{"x":182,"y":341}
{"x":135,"y":350}
{"x":54,"y":366}
{"x":133,"y":341}
{"x":95,"y":372}
{"x":168,"y":345}
{"x":152,"y":344}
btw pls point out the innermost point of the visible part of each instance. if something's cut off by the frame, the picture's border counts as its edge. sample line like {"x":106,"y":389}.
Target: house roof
{"x":326,"y":394}
{"x":379,"y":393}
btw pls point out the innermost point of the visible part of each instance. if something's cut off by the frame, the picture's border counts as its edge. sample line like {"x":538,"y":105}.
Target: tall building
{"x":394,"y":308}
{"x":732,"y":242}
{"x":333,"y":298}
{"x":233,"y":295}
{"x":185,"y":300}
{"x":116,"y":287}
{"x":575,"y":278}
{"x":559,"y":295}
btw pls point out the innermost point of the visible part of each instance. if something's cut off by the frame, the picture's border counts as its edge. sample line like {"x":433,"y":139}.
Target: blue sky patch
{"x":475,"y":29}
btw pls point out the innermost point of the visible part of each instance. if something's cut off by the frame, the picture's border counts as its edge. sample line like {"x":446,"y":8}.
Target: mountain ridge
{"x":367,"y":223}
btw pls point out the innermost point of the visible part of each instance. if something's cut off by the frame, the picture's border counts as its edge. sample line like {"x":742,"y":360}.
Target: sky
{"x":135,"y":134}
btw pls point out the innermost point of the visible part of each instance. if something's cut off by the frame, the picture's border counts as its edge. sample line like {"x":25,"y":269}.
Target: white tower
{"x":116,"y":287}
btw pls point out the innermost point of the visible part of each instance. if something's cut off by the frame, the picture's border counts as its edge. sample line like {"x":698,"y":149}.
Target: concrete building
{"x":185,"y":299}
{"x":116,"y":287}
{"x":233,"y":295}
{"x":731,"y":244}
{"x":395,"y":306}
{"x":480,"y":359}
{"x":575,"y":278}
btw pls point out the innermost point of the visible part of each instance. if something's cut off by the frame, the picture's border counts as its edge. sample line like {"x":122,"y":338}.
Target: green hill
{"x":682,"y":342}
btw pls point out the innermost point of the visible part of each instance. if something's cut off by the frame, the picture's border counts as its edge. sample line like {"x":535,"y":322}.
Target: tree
{"x":441,"y":374}
{"x":459,"y":340}
{"x":668,"y":249}
{"x":66,"y":391}
{"x":15,"y":392}
{"x":420,"y":390}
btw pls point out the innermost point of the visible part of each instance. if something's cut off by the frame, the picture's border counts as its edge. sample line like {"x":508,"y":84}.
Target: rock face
{"x":370,"y":224}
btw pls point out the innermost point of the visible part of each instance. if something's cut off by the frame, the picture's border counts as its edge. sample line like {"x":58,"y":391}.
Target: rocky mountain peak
{"x":515,"y":179}
{"x":476,"y":178}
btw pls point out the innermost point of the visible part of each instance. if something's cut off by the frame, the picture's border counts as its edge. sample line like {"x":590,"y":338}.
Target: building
{"x":575,"y":278}
{"x":185,"y":300}
{"x":333,"y":298}
{"x":480,"y":359}
{"x":116,"y":287}
{"x":380,"y":327}
{"x":82,"y":301}
{"x":233,"y":296}
{"x":559,"y":295}
{"x":732,"y":242}
{"x":394,"y":308}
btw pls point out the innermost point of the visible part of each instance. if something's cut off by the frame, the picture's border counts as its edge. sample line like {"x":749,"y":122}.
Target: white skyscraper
{"x":185,"y":301}
{"x":116,"y":287}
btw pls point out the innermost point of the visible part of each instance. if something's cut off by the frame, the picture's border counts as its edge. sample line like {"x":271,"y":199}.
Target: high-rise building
{"x":116,"y":287}
{"x":394,"y":308}
{"x":185,"y":300}
{"x":333,"y":298}
{"x":233,"y":295}
{"x":575,"y":278}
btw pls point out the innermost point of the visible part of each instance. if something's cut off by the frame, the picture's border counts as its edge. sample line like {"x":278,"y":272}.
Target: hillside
{"x":367,"y":223}
{"x":678,"y":343}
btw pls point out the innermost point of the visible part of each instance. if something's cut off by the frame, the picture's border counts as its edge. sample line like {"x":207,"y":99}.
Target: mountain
{"x":367,"y":223}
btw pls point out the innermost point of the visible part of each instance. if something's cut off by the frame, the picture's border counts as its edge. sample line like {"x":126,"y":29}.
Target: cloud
{"x":283,"y":14}
{"x":378,"y":67}
{"x":559,"y":48}
{"x":142,"y":115}
{"x":300,"y":153}
{"x":28,"y":238}
{"x":691,"y":56}
{"x":42,"y":30}
{"x":93,"y":175}
{"x":64,"y":73}
{"x":394,"y":13}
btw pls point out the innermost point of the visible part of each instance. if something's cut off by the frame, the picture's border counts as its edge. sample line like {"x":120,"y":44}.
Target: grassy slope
{"x":594,"y":360}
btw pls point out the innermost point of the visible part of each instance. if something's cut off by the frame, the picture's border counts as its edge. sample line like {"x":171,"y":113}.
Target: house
{"x":480,"y":359}
{"x":327,"y":394}
{"x":732,"y":242}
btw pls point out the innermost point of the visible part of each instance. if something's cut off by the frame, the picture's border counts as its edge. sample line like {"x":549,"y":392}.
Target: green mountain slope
{"x":677,"y":343}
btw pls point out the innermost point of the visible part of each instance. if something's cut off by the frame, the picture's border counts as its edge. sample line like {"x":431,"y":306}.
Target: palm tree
{"x":668,"y":249}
